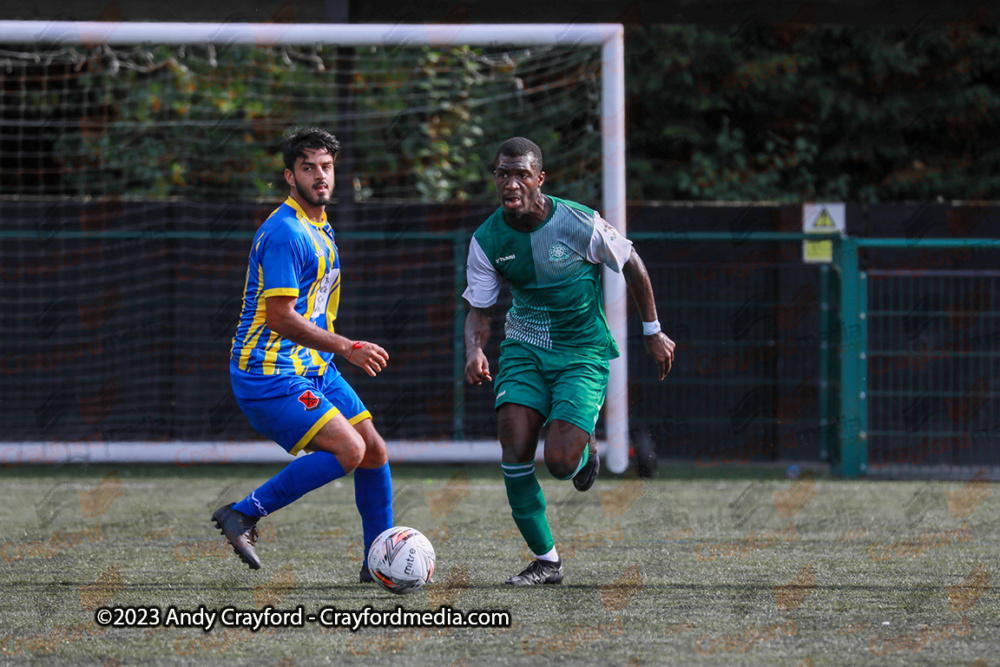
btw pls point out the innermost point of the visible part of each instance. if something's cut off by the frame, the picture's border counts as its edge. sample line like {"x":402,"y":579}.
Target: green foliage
{"x":419,"y":123}
{"x":448,"y":166}
{"x":441,"y":115}
{"x":813,"y":112}
{"x":433,"y":139}
{"x":199,"y":124}
{"x":161,"y":123}
{"x":756,"y":112}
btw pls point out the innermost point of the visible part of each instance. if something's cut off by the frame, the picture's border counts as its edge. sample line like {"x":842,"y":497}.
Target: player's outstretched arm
{"x":658,"y":345}
{"x":477,"y":334}
{"x":284,"y":320}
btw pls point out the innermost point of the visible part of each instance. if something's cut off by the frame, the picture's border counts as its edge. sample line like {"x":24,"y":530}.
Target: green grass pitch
{"x":698,"y":566}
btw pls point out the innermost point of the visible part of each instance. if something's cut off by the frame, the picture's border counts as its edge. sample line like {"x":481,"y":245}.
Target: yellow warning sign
{"x":825,"y":219}
{"x":818,"y":251}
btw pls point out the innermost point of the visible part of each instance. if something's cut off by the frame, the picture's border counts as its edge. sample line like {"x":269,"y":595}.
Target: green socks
{"x":527,"y":505}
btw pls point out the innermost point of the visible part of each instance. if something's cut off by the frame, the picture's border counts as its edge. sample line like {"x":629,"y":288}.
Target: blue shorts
{"x":291,"y":409}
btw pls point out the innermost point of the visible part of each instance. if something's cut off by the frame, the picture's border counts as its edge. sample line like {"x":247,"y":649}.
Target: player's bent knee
{"x":559,"y":465}
{"x":564,"y":448}
{"x":560,"y":471}
{"x":344,"y":443}
{"x":376,"y":454}
{"x":350,"y":454}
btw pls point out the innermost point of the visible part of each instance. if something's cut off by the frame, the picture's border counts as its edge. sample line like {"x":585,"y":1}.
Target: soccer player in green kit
{"x":554,"y":358}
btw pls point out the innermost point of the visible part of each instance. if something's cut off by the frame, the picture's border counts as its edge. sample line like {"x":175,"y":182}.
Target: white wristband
{"x":650,"y":328}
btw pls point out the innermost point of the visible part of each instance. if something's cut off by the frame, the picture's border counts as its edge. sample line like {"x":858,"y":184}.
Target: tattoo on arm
{"x":477,"y":328}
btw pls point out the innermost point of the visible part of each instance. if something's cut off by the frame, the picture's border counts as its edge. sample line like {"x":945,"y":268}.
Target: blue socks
{"x":372,"y":491}
{"x":298,"y":478}
{"x":373,"y":495}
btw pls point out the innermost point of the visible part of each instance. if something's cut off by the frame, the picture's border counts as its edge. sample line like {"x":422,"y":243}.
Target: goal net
{"x":137,"y":161}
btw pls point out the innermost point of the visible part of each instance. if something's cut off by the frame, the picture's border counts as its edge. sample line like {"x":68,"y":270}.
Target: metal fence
{"x":752,"y":379}
{"x":880,"y":362}
{"x":919,"y":353}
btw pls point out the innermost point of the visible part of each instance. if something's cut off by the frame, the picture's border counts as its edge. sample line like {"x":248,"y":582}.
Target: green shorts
{"x":569,"y":387}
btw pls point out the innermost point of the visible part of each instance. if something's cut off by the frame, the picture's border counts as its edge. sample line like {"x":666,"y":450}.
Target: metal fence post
{"x":853,"y":459}
{"x":461,"y":250}
{"x":826,"y":343}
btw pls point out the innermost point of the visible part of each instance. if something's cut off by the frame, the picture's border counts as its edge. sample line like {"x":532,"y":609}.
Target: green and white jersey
{"x":554,"y":277}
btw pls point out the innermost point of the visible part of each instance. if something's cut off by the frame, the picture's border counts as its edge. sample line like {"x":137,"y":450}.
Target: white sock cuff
{"x":552,"y":556}
{"x":517,"y":469}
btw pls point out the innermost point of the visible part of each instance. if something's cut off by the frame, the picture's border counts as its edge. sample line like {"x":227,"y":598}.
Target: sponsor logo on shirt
{"x":507,"y":258}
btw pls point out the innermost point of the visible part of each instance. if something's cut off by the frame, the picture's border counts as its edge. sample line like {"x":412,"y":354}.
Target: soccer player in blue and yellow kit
{"x":282,"y":367}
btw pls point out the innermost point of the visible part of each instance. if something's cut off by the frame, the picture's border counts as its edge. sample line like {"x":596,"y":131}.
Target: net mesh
{"x":133,"y":179}
{"x":203,"y":122}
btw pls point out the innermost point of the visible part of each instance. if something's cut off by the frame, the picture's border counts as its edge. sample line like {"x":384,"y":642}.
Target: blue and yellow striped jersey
{"x":291,"y":256}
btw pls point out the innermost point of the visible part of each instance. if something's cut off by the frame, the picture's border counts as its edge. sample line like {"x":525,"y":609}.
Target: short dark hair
{"x":307,"y":138}
{"x":518,"y":147}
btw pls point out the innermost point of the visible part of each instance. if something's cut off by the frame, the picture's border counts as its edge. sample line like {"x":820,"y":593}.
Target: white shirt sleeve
{"x":608,"y":245}
{"x":484,"y":283}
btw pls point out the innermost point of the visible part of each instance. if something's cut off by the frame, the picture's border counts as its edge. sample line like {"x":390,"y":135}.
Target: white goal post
{"x":609,"y":36}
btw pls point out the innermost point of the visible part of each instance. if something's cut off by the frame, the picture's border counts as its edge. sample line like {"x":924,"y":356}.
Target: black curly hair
{"x":307,"y":138}
{"x":518,"y":147}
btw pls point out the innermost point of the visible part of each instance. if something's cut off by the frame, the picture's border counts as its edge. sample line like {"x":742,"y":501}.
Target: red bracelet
{"x":357,"y":346}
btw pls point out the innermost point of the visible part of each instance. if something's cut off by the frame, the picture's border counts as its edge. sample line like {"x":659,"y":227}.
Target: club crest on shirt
{"x":309,"y":400}
{"x":558,"y":250}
